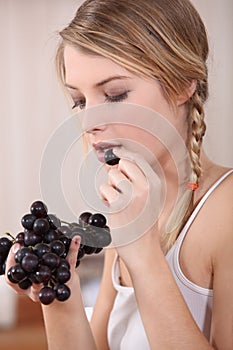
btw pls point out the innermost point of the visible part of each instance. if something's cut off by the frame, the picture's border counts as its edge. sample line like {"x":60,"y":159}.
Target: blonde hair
{"x":160,"y":39}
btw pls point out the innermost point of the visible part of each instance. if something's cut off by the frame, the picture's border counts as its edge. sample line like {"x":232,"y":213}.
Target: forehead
{"x":82,"y":68}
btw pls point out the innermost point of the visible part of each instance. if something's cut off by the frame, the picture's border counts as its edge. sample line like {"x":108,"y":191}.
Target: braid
{"x":197,"y":132}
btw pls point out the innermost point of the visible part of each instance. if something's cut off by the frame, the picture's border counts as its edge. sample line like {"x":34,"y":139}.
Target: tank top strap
{"x":200,"y":205}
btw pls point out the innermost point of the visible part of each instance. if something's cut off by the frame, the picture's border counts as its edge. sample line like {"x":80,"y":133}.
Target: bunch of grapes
{"x":45,"y":243}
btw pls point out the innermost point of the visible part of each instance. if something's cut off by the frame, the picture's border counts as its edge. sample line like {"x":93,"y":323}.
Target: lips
{"x":101,"y":148}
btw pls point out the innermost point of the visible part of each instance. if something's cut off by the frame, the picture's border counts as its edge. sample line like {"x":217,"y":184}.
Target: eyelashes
{"x":81,"y":103}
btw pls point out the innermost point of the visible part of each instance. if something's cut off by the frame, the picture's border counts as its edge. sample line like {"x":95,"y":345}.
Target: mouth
{"x":102,"y":147}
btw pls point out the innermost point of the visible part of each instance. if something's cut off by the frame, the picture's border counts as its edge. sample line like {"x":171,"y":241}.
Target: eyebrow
{"x":102,"y":82}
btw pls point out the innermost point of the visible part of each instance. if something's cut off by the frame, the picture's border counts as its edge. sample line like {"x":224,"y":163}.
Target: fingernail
{"x":16,"y":247}
{"x":77,"y":240}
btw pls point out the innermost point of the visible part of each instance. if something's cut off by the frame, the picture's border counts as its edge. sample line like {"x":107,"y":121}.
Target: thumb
{"x":145,"y":167}
{"x":73,"y":252}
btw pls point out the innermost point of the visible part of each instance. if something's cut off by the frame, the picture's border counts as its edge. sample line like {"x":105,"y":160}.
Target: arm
{"x":104,"y":303}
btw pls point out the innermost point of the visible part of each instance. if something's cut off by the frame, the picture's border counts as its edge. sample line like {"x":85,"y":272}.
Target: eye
{"x":81,"y":103}
{"x":117,"y":98}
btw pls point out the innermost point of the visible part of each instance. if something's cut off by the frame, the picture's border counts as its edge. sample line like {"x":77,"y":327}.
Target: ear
{"x":185,"y":96}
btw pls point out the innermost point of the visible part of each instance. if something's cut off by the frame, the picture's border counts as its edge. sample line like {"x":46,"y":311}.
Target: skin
{"x":160,"y":302}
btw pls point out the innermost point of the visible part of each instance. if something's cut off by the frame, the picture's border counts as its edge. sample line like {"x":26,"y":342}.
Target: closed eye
{"x":81,"y":103}
{"x":117,"y":98}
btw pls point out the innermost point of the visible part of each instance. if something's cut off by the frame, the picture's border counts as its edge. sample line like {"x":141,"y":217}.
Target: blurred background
{"x":33,"y":106}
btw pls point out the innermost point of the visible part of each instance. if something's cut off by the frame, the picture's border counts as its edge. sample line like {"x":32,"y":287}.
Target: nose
{"x":94,"y":119}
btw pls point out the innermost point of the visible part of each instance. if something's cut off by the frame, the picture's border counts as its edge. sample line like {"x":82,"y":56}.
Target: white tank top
{"x":125,"y":328}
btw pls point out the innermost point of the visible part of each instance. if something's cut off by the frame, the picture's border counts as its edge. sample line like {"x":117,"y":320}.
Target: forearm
{"x":67,"y":326}
{"x":165,"y":315}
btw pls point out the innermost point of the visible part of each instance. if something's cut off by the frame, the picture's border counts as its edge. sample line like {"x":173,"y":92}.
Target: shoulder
{"x":217,"y":215}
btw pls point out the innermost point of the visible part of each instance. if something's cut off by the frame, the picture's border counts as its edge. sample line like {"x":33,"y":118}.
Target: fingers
{"x":73,"y":252}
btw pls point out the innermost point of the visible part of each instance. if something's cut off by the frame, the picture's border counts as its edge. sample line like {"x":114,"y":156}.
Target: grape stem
{"x":10,"y":235}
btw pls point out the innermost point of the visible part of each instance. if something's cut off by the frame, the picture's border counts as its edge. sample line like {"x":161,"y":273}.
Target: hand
{"x":134,"y":195}
{"x":33,"y":291}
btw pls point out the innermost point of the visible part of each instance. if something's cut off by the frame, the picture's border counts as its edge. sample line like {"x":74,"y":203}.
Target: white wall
{"x":32,"y":104}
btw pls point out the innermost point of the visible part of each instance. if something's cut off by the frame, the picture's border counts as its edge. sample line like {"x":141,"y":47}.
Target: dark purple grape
{"x":89,"y":250}
{"x":57,"y":247}
{"x":40,"y":249}
{"x":66,"y":241}
{"x":54,"y":221}
{"x":9,"y":276}
{"x":84,"y":217}
{"x":17,"y":273}
{"x":43,"y":274}
{"x":98,"y":250}
{"x":39,"y":209}
{"x":25,"y":284}
{"x":62,"y":274}
{"x":5,"y":245}
{"x":21,"y":253}
{"x":110,"y":158}
{"x":77,"y":263}
{"x":64,"y":263}
{"x":33,"y":278}
{"x":62,"y":292}
{"x":20,"y":238}
{"x":50,"y":236}
{"x":31,"y":238}
{"x":41,"y":226}
{"x":47,"y":295}
{"x":27,"y":221}
{"x":30,"y":262}
{"x":81,"y":253}
{"x":51,"y":260}
{"x":97,"y":219}
{"x":102,"y":237}
{"x":2,"y":268}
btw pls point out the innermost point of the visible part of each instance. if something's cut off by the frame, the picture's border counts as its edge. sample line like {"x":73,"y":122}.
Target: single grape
{"x":77,"y":263}
{"x":51,"y":260}
{"x":5,"y":245}
{"x":50,"y":236}
{"x":41,"y":226}
{"x":17,"y":273}
{"x":62,"y":292}
{"x":57,"y":247}
{"x":43,"y":274}
{"x":2,"y":268}
{"x":9,"y":276}
{"x":62,"y":274}
{"x":64,"y":263}
{"x":30,"y":262}
{"x":66,"y":241}
{"x":84,"y":217}
{"x":25,"y":284}
{"x":27,"y":221}
{"x":39,"y":209}
{"x":81,"y":253}
{"x":98,"y":250}
{"x":89,"y":250}
{"x":47,"y":295}
{"x":110,"y":158}
{"x":31,"y":238}
{"x":54,"y":221}
{"x":97,"y":219}
{"x":20,"y":238}
{"x":33,"y":278}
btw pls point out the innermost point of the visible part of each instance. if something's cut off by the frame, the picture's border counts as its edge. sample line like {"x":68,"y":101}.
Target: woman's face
{"x":93,"y":80}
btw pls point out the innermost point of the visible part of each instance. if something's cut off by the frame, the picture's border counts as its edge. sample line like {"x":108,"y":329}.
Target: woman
{"x":164,"y":290}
